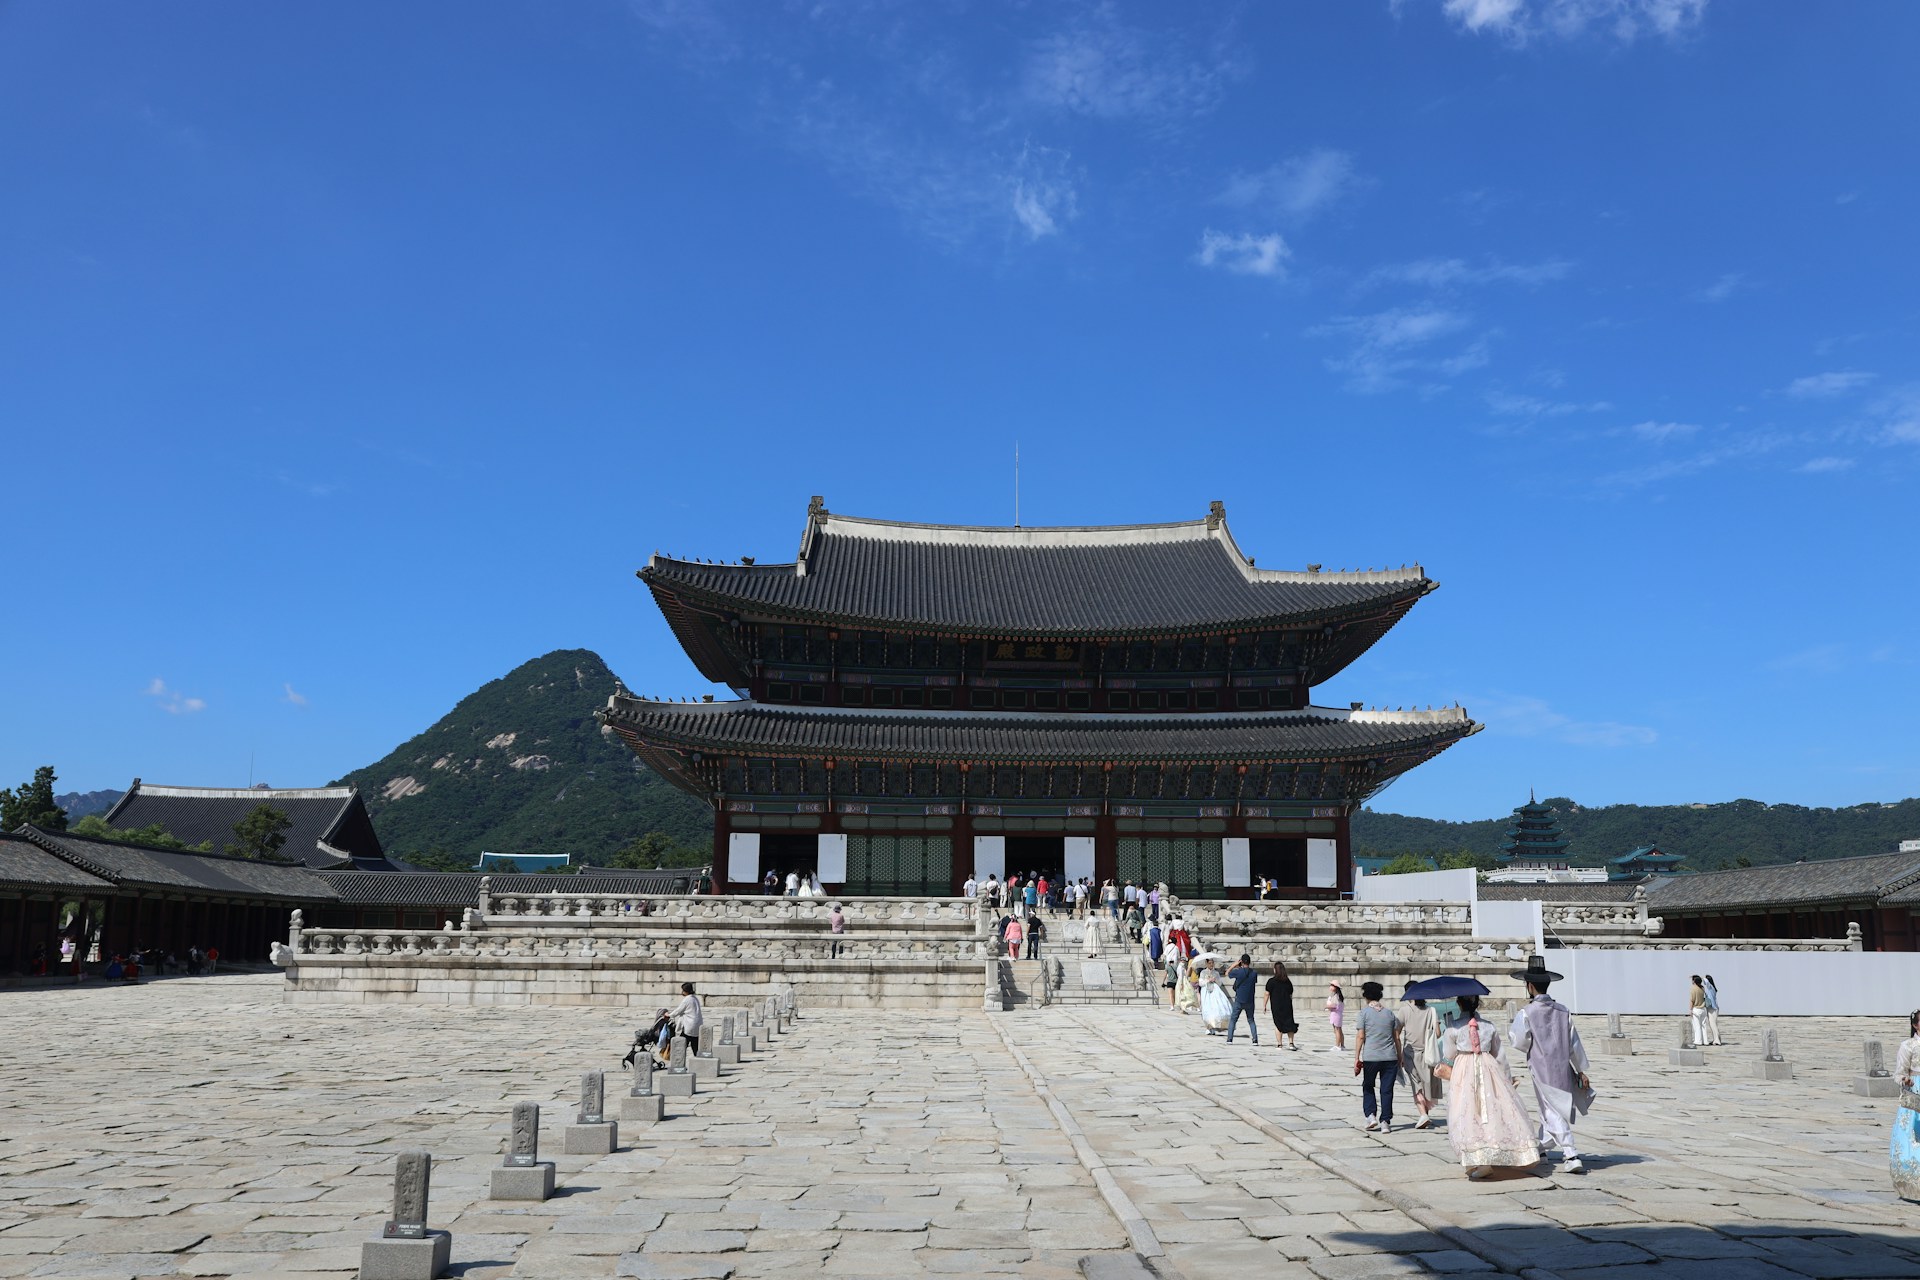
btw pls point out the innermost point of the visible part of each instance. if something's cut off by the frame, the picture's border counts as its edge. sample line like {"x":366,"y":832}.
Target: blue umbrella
{"x":1445,"y":988}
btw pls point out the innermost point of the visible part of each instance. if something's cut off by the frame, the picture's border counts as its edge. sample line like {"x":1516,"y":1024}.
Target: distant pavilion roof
{"x":330,"y":825}
{"x":1871,"y":878}
{"x":753,"y":728}
{"x":1093,"y":581}
{"x":180,"y":871}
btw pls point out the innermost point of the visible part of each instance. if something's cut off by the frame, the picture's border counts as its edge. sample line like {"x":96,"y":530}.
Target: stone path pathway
{"x":201,"y":1128}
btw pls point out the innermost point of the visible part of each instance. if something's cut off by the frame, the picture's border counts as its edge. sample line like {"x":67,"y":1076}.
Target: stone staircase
{"x":1112,"y":979}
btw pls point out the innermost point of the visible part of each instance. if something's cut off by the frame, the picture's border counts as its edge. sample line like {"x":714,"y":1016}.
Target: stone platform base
{"x":592,"y":1139}
{"x":1876,"y":1086}
{"x":523,"y":1182}
{"x":728,"y":1055}
{"x":704,"y":1068}
{"x":1764,"y":1070}
{"x":1622,"y":1047}
{"x":1687,"y":1057}
{"x":646,"y":1108}
{"x":424,"y":1259}
{"x":674,"y":1086}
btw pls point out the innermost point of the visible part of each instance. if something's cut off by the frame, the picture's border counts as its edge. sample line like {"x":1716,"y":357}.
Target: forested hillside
{"x":1736,"y":833}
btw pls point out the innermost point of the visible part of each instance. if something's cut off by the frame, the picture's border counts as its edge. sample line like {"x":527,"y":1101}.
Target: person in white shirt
{"x":969,"y":889}
{"x":793,"y":884}
{"x":685,"y":1017}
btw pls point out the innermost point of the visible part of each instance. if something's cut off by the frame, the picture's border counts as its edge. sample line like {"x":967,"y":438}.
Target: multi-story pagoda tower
{"x":919,"y":702}
{"x":1534,"y":841}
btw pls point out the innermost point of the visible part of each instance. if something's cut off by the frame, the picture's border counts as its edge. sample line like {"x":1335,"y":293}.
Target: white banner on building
{"x":743,"y":857}
{"x":1079,"y":862}
{"x":989,"y":857}
{"x":832,"y":868}
{"x":1236,"y":862}
{"x":1323,"y":864}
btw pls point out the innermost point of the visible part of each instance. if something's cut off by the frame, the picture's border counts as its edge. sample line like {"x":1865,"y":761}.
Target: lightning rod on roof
{"x":1016,"y":484}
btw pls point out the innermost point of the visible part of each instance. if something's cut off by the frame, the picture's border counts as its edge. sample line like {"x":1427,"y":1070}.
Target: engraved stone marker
{"x":1616,"y":1042}
{"x":593,"y":1098}
{"x":1770,"y":1045}
{"x":1875,"y":1081}
{"x":1687,"y":1054}
{"x":524,"y":1150}
{"x":412,"y":1172}
{"x":704,"y":1064}
{"x":677,"y":1056}
{"x":1771,"y":1065}
{"x":1613,"y":1026}
{"x":592,"y":1134}
{"x":406,"y":1248}
{"x":642,"y":1075}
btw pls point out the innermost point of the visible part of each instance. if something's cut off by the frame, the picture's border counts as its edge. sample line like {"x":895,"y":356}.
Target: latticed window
{"x":890,"y":865}
{"x":1189,"y":866}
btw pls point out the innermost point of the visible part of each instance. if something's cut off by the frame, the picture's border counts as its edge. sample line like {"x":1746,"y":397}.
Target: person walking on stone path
{"x":1376,"y":1057}
{"x":1697,"y":1010}
{"x":1110,"y":898}
{"x":1090,"y":938}
{"x":1543,"y":1031}
{"x":1014,"y":933}
{"x":771,"y":883}
{"x":970,"y":888}
{"x":1713,"y":1010}
{"x":1186,"y":997}
{"x":1153,"y":904}
{"x":1904,"y":1153}
{"x":1036,"y":934}
{"x":837,"y":926}
{"x":686,"y":1017}
{"x":1243,"y":977}
{"x":1487,"y":1125}
{"x":1336,"y":1013}
{"x":1418,"y":1025}
{"x":793,"y":884}
{"x":1030,"y":893}
{"x":1136,"y":919}
{"x":1279,"y":1002}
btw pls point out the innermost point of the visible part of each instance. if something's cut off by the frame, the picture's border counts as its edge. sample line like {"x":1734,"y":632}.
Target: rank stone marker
{"x":1771,"y":1065}
{"x":705,"y":1065}
{"x":523,"y":1175}
{"x":591,"y":1133}
{"x":1617,"y":1042}
{"x":678,"y":1082}
{"x":1876,"y":1081}
{"x":1686,"y":1055}
{"x":727,"y":1051}
{"x":641,"y":1102}
{"x":407,"y":1249}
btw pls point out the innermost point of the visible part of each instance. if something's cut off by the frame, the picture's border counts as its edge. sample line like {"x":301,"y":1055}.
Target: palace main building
{"x":924,"y":701}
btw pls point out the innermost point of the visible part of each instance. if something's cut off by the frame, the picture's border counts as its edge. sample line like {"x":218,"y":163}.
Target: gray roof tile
{"x":25,"y":865}
{"x":330,"y":826}
{"x":144,"y":867}
{"x":1792,"y":884}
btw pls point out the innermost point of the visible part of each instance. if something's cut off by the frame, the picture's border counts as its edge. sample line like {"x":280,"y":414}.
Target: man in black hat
{"x":1543,"y":1031}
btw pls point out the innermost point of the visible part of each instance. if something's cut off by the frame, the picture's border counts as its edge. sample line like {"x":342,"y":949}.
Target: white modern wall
{"x":1505,"y":919}
{"x":1780,"y":983}
{"x":1419,"y":886}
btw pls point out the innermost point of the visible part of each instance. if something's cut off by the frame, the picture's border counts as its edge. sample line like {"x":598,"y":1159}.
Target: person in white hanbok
{"x":1216,"y":1008}
{"x":1090,"y":941}
{"x":1544,"y":1034}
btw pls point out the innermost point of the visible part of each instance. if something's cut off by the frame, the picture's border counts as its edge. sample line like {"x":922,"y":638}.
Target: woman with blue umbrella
{"x":1487,"y":1124}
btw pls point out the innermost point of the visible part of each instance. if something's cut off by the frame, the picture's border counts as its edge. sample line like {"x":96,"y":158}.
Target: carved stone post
{"x":1687,"y":1055}
{"x":678,"y":1082}
{"x":1772,"y":1065}
{"x":1616,"y":1044}
{"x":642,"y":1104}
{"x":1875,"y":1081}
{"x":295,"y":923}
{"x":407,"y":1248}
{"x":524,"y":1175}
{"x":591,"y":1133}
{"x":703,"y":1063}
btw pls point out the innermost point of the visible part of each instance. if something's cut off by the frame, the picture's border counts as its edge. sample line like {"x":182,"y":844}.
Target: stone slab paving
{"x":1704,"y":1171}
{"x":202,"y":1128}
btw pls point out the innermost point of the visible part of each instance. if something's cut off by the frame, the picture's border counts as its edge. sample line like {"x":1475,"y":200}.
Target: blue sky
{"x":352,"y":354}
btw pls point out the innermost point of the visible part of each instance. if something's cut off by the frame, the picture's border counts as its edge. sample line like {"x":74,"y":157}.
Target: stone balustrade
{"x":689,"y":912}
{"x":1718,"y":944}
{"x":1221,"y":914}
{"x":597,"y":942}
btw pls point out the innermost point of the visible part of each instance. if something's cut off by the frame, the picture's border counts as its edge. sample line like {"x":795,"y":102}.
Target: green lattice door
{"x":911,"y":865}
{"x":1189,"y":866}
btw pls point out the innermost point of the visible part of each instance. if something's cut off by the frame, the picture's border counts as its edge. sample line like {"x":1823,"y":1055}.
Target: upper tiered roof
{"x":1113,"y":580}
{"x":328,"y":826}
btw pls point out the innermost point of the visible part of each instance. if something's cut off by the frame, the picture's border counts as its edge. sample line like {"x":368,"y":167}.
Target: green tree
{"x":1405,"y":864}
{"x":504,"y":867}
{"x":32,"y":802}
{"x":656,"y":849}
{"x":439,"y":860}
{"x":1468,"y":860}
{"x":261,"y":833}
{"x":95,"y":827}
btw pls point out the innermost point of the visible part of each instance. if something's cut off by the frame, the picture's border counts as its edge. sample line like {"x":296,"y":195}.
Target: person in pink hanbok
{"x":1487,"y":1124}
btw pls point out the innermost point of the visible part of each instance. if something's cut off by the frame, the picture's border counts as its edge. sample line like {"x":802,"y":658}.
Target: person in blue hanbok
{"x":1905,"y":1150}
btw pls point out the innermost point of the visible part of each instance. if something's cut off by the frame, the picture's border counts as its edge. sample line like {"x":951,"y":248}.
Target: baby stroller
{"x":650,"y":1039}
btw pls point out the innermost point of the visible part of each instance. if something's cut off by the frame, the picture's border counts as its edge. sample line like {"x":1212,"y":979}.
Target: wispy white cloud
{"x":1295,"y":189}
{"x":1245,"y":254}
{"x":1511,"y":405}
{"x":1108,"y":70}
{"x":1394,"y":348}
{"x":1519,"y":716}
{"x":1622,"y":20}
{"x":293,"y":696}
{"x":172,"y":701}
{"x":1725,"y":287}
{"x":1445,"y":273}
{"x":312,"y":488}
{"x":1831,"y":658}
{"x":1896,"y":416}
{"x":1828,"y":384}
{"x":1677,"y":466}
{"x":1824,"y":465}
{"x":1662,"y":432}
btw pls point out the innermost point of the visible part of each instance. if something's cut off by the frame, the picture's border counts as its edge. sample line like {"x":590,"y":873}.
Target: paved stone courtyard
{"x":198,"y":1127}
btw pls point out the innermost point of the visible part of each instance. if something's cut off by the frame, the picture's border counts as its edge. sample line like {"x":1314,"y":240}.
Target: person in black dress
{"x":1279,"y":1000}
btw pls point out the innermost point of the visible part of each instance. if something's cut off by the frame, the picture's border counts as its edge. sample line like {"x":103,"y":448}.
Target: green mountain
{"x":521,"y":766}
{"x":1708,"y":836}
